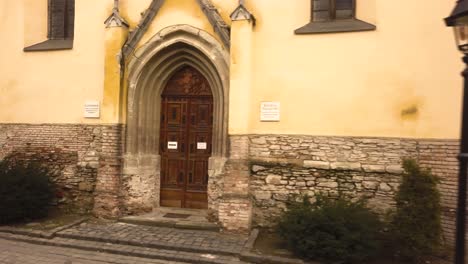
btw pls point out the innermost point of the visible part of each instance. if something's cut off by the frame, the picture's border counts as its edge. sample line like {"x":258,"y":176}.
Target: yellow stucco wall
{"x":360,"y":84}
{"x":401,"y":80}
{"x":52,"y":86}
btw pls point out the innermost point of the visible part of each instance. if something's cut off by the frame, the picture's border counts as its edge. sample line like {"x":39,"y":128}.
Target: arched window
{"x":328,"y":16}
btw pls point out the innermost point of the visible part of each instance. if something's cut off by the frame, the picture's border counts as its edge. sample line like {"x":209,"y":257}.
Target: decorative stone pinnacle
{"x":241,"y":13}
{"x":116,"y":6}
{"x":115,"y":20}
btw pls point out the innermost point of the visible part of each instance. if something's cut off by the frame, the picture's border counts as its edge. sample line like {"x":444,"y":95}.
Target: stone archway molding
{"x":220,"y":27}
{"x":149,"y":69}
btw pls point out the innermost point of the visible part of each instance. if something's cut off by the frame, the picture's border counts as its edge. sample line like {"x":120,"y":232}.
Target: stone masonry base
{"x":249,"y":187}
{"x":72,"y":151}
{"x":286,"y":165}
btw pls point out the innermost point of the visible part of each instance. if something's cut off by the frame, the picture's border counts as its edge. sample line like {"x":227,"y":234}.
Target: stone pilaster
{"x":115,"y":36}
{"x":235,"y":207}
{"x":240,"y":71}
{"x":107,"y":200}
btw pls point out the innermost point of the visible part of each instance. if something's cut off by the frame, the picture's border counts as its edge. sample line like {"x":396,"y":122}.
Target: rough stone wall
{"x":284,"y":165}
{"x":71,"y":151}
{"x":273,"y":185}
{"x":140,"y":183}
{"x":216,"y":172}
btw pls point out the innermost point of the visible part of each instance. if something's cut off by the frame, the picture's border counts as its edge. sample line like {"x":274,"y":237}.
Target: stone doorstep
{"x":192,"y":225}
{"x":127,"y":250}
{"x":197,"y":219}
{"x":152,"y":245}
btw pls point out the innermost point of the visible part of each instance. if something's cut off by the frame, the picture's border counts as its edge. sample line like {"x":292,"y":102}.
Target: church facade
{"x":231,"y":106}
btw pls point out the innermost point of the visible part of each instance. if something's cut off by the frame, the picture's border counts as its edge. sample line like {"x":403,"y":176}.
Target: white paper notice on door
{"x":201,"y":145}
{"x":172,"y":145}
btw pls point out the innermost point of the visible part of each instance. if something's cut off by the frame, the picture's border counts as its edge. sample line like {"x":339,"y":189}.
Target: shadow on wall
{"x":74,"y":181}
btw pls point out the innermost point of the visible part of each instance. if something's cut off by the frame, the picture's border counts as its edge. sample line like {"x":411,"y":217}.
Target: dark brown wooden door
{"x":185,"y":140}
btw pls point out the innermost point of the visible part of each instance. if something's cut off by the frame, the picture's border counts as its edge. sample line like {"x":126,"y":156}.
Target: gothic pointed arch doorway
{"x":185,"y":139}
{"x":169,"y":57}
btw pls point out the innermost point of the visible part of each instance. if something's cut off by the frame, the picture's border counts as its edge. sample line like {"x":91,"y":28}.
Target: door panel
{"x":185,"y":140}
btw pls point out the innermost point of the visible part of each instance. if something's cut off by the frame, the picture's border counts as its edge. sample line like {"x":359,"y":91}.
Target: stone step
{"x":206,"y":226}
{"x":195,"y":241}
{"x":129,"y":250}
{"x":193,"y":219}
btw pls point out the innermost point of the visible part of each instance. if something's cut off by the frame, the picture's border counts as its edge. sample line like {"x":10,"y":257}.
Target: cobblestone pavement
{"x":182,"y":239}
{"x":14,"y":252}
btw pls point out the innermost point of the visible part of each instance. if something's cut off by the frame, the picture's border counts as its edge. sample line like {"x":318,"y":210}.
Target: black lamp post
{"x":459,"y":21}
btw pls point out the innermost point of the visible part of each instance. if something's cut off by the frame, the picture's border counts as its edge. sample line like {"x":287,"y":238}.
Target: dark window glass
{"x":324,"y":10}
{"x":344,"y":4}
{"x":344,"y":9}
{"x":321,"y":10}
{"x":61,"y":19}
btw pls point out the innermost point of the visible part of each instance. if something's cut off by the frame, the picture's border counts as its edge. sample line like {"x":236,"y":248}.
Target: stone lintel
{"x":317,"y":164}
{"x":396,"y":169}
{"x":373,"y":168}
{"x":275,"y":161}
{"x":353,"y":166}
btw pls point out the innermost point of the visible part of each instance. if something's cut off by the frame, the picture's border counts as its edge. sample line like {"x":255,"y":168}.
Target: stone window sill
{"x":51,"y":44}
{"x":335,"y":26}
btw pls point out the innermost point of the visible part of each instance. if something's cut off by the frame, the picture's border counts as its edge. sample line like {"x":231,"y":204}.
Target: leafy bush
{"x":25,"y":192}
{"x":331,"y":230}
{"x":416,"y":223}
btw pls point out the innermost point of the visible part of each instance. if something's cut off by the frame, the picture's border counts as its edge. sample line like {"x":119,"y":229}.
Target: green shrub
{"x":25,"y":192}
{"x":416,"y":223}
{"x":331,"y":230}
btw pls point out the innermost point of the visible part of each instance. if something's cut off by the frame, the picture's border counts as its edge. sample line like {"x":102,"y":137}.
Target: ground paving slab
{"x":126,"y":250}
{"x":146,"y":242}
{"x":16,"y":252}
{"x":158,"y":237}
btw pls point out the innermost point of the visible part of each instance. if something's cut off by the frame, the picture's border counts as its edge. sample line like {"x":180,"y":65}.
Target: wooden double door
{"x":185,"y":140}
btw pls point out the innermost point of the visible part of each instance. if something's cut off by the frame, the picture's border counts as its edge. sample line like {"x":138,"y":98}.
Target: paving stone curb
{"x":248,"y":255}
{"x":257,"y":258}
{"x":251,"y":240}
{"x":127,"y":250}
{"x":193,"y":249}
{"x":40,"y":234}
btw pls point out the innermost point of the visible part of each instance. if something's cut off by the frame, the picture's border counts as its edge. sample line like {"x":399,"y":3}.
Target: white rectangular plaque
{"x":201,"y":145}
{"x":91,"y":109}
{"x":270,"y":111}
{"x":172,"y":145}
